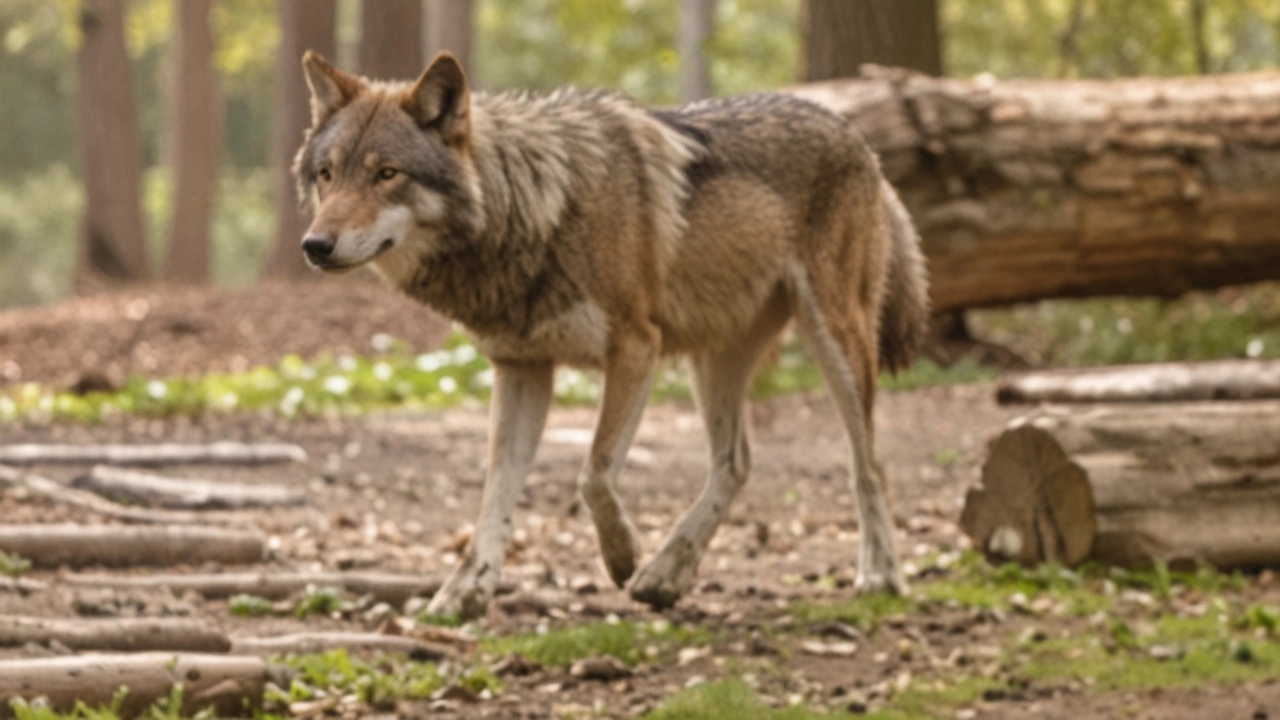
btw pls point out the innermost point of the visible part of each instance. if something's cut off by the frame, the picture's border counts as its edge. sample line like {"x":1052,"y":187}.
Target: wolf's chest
{"x":577,"y":336}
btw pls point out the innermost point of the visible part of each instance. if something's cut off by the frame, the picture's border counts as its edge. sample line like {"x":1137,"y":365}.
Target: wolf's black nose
{"x":318,"y":247}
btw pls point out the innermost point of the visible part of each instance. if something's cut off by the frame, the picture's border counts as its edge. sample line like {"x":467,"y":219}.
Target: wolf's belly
{"x":579,"y":336}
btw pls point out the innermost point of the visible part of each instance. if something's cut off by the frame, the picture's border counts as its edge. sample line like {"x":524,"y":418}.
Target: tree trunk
{"x":113,"y":246}
{"x":197,"y":115}
{"x":52,"y":546}
{"x":217,"y":453}
{"x":1025,"y":190}
{"x":114,"y":634}
{"x":304,"y":25}
{"x":231,"y":686}
{"x":391,"y":39}
{"x":697,"y":24}
{"x":449,"y":28}
{"x":1156,"y":382}
{"x":842,"y":35}
{"x":1133,"y":484}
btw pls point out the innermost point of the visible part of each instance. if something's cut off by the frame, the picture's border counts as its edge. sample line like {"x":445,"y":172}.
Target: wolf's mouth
{"x":339,"y":268}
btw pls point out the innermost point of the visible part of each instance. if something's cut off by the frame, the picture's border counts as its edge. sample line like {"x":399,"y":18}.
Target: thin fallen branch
{"x":317,"y":642}
{"x":393,"y":589}
{"x":1156,"y":382}
{"x":183,"y":494}
{"x":232,"y":686}
{"x":21,"y":586}
{"x":71,"y":497}
{"x":114,"y":634}
{"x":52,"y":546}
{"x":222,"y":453}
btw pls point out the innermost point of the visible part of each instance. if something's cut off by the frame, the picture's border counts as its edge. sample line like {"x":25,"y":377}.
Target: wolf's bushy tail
{"x":904,"y":313}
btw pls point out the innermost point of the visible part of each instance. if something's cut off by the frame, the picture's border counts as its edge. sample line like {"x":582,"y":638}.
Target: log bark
{"x":1156,"y":382}
{"x":842,"y":35}
{"x":184,"y":494}
{"x":219,"y":453}
{"x":1025,"y":190}
{"x":391,"y":39}
{"x":382,"y":587}
{"x":52,"y":546}
{"x":449,"y":27}
{"x":231,"y":686}
{"x":114,"y":634}
{"x":1134,"y":484}
{"x":318,"y":642}
{"x":72,"y":497}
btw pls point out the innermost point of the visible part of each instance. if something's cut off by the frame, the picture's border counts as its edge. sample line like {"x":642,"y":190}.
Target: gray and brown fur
{"x":581,"y":228}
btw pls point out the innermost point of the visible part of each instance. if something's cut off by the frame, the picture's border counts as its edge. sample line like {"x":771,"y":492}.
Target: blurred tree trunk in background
{"x":113,"y":244}
{"x":304,"y":25}
{"x":697,"y":23}
{"x":841,"y":35}
{"x":196,"y":135}
{"x":449,"y":28}
{"x":391,"y":39}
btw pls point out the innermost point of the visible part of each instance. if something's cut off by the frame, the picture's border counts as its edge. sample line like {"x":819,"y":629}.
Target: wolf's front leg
{"x":517,"y":414}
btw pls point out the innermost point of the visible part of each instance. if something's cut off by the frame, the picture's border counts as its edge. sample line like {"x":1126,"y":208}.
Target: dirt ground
{"x":397,"y":492}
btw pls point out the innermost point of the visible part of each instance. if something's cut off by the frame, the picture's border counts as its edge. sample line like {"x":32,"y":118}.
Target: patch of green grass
{"x":13,"y":565}
{"x":922,"y":701}
{"x":386,"y":679}
{"x":318,"y":601}
{"x":863,"y":611}
{"x":627,"y":641}
{"x":169,"y":708}
{"x":249,"y":606}
{"x":728,"y":700}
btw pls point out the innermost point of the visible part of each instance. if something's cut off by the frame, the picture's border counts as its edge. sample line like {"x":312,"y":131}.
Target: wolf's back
{"x":904,"y":314}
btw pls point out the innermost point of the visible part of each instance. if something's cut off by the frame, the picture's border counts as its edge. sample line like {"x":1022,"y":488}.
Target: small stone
{"x":515,"y":665}
{"x":605,"y":668}
{"x":833,"y":649}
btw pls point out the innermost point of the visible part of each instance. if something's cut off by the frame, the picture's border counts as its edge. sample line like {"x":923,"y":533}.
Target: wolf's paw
{"x":466,"y":594}
{"x":664,"y":580}
{"x":885,"y":579}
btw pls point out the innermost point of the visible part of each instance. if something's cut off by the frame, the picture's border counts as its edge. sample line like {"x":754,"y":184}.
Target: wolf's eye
{"x":387,"y":173}
{"x":325,"y":175}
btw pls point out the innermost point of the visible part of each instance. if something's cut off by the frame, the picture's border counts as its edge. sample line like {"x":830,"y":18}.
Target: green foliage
{"x":13,"y":565}
{"x":383,"y":680}
{"x":249,"y":606}
{"x":318,"y":601}
{"x":42,"y":206}
{"x":728,"y":700}
{"x":627,"y":641}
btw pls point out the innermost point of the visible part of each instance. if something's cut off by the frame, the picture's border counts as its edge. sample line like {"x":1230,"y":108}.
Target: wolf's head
{"x":386,"y":167}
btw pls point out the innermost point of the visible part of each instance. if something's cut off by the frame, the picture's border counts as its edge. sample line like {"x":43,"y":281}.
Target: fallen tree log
{"x":157,"y":491}
{"x":1031,"y":189}
{"x":114,"y":634}
{"x":1133,"y":484}
{"x":318,"y":642}
{"x":393,"y":589}
{"x":72,"y":497}
{"x":1156,"y":382}
{"x":51,"y":546}
{"x":231,"y":686}
{"x":222,"y":453}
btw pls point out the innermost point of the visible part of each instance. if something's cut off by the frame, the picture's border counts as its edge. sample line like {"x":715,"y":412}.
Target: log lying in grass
{"x":114,"y":634}
{"x":72,"y":497}
{"x":318,"y":642}
{"x":1157,"y":382}
{"x":221,"y":453}
{"x":52,"y":546}
{"x":157,"y":491}
{"x":1132,"y":484}
{"x":393,"y":589}
{"x":232,"y":686}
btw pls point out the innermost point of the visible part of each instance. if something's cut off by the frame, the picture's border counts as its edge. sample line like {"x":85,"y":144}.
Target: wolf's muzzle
{"x":318,"y":248}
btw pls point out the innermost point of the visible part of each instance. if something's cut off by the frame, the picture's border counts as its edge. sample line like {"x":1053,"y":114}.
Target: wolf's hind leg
{"x":628,"y":378}
{"x":845,"y":352}
{"x":720,"y":383}
{"x":517,"y":415}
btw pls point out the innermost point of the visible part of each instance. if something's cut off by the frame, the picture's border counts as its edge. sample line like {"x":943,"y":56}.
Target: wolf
{"x":580,"y":228}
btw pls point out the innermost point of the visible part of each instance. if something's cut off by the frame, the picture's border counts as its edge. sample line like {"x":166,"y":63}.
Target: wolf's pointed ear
{"x":331,"y":89}
{"x":442,"y":99}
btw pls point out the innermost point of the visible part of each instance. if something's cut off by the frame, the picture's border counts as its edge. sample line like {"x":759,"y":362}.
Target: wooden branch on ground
{"x":114,"y":634}
{"x":221,"y":453}
{"x":72,"y":497}
{"x":318,"y":642}
{"x":232,"y":686}
{"x":393,"y":589}
{"x":52,"y":546}
{"x":1132,"y":484}
{"x":21,"y":586}
{"x":183,"y":494}
{"x":1156,"y":382}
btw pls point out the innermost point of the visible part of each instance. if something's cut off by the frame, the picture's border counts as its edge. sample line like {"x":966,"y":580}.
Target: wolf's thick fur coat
{"x":581,"y":228}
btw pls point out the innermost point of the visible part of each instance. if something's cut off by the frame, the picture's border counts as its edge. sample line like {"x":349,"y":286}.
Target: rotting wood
{"x":57,"y":492}
{"x":221,"y":453}
{"x":1181,"y":483}
{"x":230,"y":686}
{"x":1155,"y":382}
{"x":393,"y":589}
{"x":138,"y":488}
{"x":1032,"y":189}
{"x":318,"y":642}
{"x":114,"y":634}
{"x":51,"y":546}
